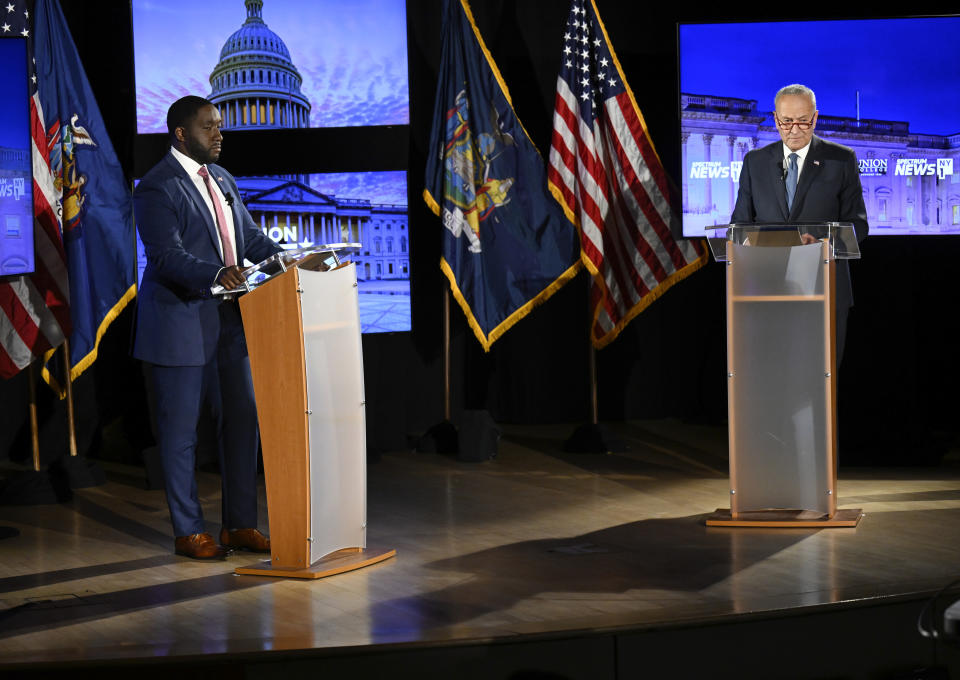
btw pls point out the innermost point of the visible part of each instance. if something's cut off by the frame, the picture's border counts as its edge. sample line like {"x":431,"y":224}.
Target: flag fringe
{"x":431,"y":202}
{"x":486,"y":341}
{"x":572,"y":216}
{"x":645,"y":301}
{"x":85,"y":362}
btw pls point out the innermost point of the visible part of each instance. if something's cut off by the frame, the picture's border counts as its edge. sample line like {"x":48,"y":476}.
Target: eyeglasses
{"x":788,"y":124}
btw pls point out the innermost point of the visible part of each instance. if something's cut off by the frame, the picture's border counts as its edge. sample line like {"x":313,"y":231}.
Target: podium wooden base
{"x":337,"y":562}
{"x":785,"y":519}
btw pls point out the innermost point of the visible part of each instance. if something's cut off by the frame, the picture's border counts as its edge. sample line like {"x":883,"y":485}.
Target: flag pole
{"x":36,"y":486}
{"x":592,"y":362}
{"x":442,"y":437}
{"x":446,"y":352}
{"x":80,"y":472}
{"x":34,"y":428}
{"x":71,"y":428}
{"x":592,"y":437}
{"x":594,"y":408}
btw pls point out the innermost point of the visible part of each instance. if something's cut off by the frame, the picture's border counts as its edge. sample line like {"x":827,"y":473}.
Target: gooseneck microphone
{"x":228,"y":197}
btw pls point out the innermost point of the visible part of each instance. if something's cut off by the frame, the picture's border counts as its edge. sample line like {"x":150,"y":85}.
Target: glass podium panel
{"x":841,"y":236}
{"x":322,"y":257}
{"x":777,"y":271}
{"x":334,"y":371}
{"x":843,"y":241}
{"x":779,"y":378}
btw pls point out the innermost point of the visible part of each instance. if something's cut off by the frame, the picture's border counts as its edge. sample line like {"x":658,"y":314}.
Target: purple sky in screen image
{"x":352,"y":56}
{"x":904,"y":69}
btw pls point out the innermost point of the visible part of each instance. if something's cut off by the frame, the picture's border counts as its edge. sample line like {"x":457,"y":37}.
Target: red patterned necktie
{"x":226,"y":238}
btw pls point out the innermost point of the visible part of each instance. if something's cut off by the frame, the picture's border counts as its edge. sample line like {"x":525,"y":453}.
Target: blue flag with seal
{"x":93,"y":200}
{"x":507,"y":244}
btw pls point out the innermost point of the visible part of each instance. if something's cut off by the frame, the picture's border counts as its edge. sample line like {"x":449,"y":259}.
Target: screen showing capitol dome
{"x":297,"y":64}
{"x":273,"y":63}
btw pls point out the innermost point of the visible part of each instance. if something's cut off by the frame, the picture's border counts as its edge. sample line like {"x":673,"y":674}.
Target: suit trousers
{"x":180,"y":395}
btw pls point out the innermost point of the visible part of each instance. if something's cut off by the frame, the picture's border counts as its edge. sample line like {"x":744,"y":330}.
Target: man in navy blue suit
{"x":197,"y":233}
{"x":803,"y":178}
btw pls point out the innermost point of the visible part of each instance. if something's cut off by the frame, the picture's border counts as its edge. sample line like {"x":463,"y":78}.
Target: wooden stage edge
{"x":339,"y":562}
{"x":773,"y":519}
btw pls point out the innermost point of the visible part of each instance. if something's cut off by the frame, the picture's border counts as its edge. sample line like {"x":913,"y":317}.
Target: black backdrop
{"x":896,"y":401}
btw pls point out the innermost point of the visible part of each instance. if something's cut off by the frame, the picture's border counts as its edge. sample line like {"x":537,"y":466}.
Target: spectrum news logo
{"x":908,"y":167}
{"x":716,"y":170}
{"x":920,"y":167}
{"x":12,"y":187}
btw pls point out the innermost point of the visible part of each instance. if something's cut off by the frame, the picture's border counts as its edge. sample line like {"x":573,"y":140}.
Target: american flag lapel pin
{"x":816,"y":162}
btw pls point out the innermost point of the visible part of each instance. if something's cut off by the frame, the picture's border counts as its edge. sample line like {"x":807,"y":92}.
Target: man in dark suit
{"x":196,"y":233}
{"x":803,"y":178}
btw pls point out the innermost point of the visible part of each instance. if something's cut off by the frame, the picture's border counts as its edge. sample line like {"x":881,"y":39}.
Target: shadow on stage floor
{"x":593,"y":566}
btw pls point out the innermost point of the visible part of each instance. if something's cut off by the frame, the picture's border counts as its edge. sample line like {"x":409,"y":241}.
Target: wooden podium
{"x":303,"y":337}
{"x":781,"y":374}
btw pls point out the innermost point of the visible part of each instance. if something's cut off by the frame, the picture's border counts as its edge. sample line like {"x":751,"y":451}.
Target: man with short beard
{"x":197,"y":233}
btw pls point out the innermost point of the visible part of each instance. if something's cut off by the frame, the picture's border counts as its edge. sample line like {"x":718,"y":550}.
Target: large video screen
{"x":16,"y":176}
{"x":273,"y":63}
{"x":888,"y":88}
{"x":369,"y":208}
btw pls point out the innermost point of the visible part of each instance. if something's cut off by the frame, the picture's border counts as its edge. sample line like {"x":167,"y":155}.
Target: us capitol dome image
{"x":255,"y":83}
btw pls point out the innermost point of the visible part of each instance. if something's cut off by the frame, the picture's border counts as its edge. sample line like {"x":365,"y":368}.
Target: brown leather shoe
{"x":248,"y":539}
{"x":199,"y":547}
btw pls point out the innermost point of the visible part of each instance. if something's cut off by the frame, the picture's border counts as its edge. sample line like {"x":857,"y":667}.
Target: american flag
{"x":35,"y":308}
{"x":607,"y":175}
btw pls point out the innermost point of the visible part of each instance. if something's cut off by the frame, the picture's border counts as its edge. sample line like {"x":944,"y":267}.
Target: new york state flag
{"x":506,"y":244}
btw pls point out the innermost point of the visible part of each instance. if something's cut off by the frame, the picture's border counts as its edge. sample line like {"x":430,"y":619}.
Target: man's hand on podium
{"x":807,"y":239}
{"x":231,"y":277}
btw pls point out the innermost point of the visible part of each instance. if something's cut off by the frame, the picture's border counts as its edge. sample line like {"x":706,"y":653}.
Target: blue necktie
{"x":791,"y":179}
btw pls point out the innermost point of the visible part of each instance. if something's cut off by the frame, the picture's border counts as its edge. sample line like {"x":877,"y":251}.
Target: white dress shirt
{"x":191,"y":166}
{"x":801,"y":156}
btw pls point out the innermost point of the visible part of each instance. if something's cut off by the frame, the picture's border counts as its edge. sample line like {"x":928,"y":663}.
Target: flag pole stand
{"x":36,"y":486}
{"x":442,"y":437}
{"x":79,"y":472}
{"x":592,"y":437}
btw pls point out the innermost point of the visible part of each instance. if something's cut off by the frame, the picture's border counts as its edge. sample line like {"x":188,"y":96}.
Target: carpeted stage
{"x":538,"y":564}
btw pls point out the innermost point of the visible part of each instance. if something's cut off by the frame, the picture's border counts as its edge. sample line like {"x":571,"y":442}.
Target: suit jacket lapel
{"x":776,"y":175}
{"x":191,"y":191}
{"x":811,"y":168}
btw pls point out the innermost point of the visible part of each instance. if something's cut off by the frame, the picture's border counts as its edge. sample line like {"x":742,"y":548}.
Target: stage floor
{"x":536,"y":541}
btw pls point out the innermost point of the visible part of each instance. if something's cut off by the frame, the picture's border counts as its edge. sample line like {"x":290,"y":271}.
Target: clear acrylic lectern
{"x":781,"y":373}
{"x":301,"y":320}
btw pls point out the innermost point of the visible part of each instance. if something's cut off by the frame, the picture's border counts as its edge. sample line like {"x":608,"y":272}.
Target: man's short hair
{"x":796,"y":89}
{"x":182,"y":111}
